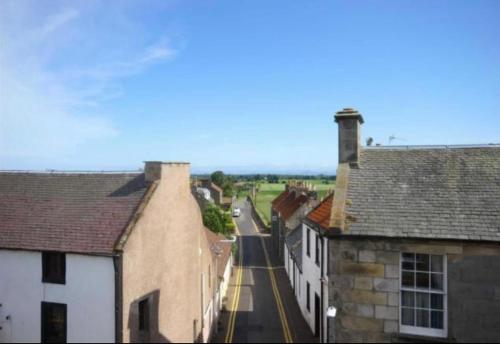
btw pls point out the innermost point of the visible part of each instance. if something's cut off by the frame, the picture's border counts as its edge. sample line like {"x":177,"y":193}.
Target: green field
{"x":269,"y":191}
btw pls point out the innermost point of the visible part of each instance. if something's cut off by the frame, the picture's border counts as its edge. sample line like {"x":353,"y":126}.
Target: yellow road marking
{"x":237,"y":292}
{"x":281,"y":310}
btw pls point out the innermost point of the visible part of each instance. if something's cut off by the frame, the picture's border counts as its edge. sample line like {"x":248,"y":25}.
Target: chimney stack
{"x":156,"y":170}
{"x":349,"y":121}
{"x":152,"y":170}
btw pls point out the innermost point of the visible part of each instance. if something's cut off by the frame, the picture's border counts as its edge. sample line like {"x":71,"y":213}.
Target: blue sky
{"x":242,"y":86}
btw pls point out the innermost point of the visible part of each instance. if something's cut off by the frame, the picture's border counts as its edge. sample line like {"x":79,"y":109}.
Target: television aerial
{"x":394,"y":138}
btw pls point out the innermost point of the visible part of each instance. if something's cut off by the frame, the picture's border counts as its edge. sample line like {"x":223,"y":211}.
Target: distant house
{"x":287,"y":211}
{"x":414,"y":241}
{"x":103,"y":257}
{"x":216,"y":193}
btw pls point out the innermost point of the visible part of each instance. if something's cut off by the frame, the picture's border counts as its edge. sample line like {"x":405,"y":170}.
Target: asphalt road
{"x":267,"y":311}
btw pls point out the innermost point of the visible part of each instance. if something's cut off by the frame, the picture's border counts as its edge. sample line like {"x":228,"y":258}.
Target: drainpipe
{"x":118,"y":267}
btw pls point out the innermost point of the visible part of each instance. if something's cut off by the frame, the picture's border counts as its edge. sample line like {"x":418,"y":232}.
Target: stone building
{"x":288,"y":210}
{"x":414,"y":241}
{"x":103,"y":257}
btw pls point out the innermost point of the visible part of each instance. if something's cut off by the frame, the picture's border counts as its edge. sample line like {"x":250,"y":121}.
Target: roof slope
{"x":280,"y":198}
{"x":448,"y":193}
{"x":293,"y":241}
{"x":321,"y":214}
{"x":220,"y":248}
{"x":288,"y":202}
{"x":79,"y":213}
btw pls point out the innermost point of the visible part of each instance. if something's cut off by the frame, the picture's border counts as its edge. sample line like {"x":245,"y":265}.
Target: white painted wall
{"x":312,"y":274}
{"x":289,"y":268}
{"x":89,"y":293}
{"x":224,"y":286}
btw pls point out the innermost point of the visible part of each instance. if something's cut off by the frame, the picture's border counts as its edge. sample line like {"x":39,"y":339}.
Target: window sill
{"x":411,"y":338}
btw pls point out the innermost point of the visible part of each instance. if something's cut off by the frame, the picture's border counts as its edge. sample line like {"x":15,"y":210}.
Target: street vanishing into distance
{"x":261,"y":304}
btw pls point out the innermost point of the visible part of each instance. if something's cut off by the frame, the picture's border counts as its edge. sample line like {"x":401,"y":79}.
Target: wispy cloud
{"x":57,"y":20}
{"x":51,"y":92}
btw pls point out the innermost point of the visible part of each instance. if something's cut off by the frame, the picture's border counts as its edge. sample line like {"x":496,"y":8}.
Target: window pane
{"x":422,"y":318}
{"x":436,"y":301}
{"x":407,"y":299}
{"x":407,"y":316}
{"x":422,"y":280}
{"x":422,"y":300}
{"x":437,"y":281}
{"x":437,"y":263}
{"x":408,"y":261}
{"x":437,"y":319}
{"x":408,"y":279}
{"x":422,"y":262}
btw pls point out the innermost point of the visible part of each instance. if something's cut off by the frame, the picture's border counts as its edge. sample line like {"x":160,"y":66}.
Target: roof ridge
{"x":61,"y":172}
{"x":437,"y":146}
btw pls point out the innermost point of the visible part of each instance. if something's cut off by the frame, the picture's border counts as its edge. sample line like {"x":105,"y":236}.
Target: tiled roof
{"x":280,"y":198}
{"x":220,"y":250}
{"x":79,"y":213}
{"x":447,"y":193}
{"x":321,"y":214}
{"x":291,"y":208}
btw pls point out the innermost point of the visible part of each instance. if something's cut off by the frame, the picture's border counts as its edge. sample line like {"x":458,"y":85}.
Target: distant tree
{"x":218,"y":221}
{"x":272,"y":178}
{"x":228,"y":189}
{"x":213,"y":219}
{"x":218,"y":178}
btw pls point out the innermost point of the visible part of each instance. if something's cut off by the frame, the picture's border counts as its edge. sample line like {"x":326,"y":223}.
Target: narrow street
{"x":261,"y":304}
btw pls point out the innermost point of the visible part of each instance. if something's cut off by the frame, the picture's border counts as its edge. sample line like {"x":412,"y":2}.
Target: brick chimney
{"x":349,"y":121}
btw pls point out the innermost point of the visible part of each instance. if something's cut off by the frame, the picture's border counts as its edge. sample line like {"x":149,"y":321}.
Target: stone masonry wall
{"x":364,"y":287}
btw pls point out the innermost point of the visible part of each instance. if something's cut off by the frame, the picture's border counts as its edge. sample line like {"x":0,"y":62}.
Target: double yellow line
{"x":281,"y":310}
{"x":236,"y":298}
{"x":237,"y":292}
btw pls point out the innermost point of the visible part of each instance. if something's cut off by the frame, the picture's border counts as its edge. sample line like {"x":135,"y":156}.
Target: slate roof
{"x":293,"y":241}
{"x":321,"y":214}
{"x":78,"y":213}
{"x":446,"y":193}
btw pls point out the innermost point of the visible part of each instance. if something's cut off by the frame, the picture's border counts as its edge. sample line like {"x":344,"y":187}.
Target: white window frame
{"x":424,"y":331}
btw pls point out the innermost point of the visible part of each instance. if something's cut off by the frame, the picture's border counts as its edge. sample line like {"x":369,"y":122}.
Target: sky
{"x":242,"y":86}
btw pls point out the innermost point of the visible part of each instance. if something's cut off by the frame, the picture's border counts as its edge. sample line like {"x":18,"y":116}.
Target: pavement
{"x":261,"y":305}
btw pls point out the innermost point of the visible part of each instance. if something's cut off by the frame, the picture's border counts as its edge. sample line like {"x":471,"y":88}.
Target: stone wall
{"x":256,"y":217}
{"x":364,"y":287}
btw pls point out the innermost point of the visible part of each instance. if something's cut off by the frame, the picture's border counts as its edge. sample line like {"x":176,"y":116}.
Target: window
{"x":144,"y":315}
{"x":423,"y":295}
{"x":54,"y":322}
{"x":317,"y":250}
{"x":308,"y":240}
{"x":53,"y":267}
{"x":308,"y":297}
